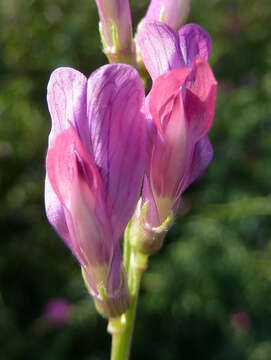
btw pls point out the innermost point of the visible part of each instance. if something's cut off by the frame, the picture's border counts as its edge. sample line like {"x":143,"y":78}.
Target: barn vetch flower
{"x":182,"y":106}
{"x":95,"y":164}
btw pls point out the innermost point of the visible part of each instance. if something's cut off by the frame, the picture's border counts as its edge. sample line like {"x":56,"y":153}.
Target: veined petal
{"x":66,"y":96}
{"x":200,"y":98}
{"x":171,"y":12}
{"x":159,"y":48}
{"x":194,"y":41}
{"x":118,"y":135}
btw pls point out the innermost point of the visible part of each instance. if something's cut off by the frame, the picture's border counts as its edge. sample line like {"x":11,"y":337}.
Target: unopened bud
{"x":170,"y":12}
{"x":116,"y":30}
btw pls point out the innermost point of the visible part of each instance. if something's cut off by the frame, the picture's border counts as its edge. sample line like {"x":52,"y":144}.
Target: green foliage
{"x":216,"y":261}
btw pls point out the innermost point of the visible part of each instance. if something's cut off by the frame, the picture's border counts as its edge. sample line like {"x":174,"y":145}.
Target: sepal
{"x":143,"y":237}
{"x":110,"y":305}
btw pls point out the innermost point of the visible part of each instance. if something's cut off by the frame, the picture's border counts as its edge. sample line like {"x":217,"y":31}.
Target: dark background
{"x":207,"y":294}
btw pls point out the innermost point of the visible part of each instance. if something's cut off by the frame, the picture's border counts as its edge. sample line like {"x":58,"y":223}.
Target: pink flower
{"x":182,"y":106}
{"x":95,"y":164}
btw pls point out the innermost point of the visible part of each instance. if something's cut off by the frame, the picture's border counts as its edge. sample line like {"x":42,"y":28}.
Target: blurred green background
{"x":207,"y":294}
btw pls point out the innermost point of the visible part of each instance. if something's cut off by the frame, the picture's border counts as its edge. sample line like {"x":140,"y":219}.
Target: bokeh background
{"x":207,"y":294}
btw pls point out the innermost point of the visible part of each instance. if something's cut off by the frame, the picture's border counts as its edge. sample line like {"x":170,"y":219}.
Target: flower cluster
{"x":116,"y":156}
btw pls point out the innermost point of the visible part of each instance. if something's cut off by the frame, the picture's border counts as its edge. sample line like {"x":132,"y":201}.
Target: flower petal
{"x":118,"y":135}
{"x":170,"y":159}
{"x":55,"y":213}
{"x":66,"y":96}
{"x":159,"y":48}
{"x":194,"y":41}
{"x":163,"y":92}
{"x":173,"y":147}
{"x":200,"y":98}
{"x":203,"y":155}
{"x":77,"y":184}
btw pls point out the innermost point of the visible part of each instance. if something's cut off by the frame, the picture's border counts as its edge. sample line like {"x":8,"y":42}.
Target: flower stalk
{"x":122,"y":327}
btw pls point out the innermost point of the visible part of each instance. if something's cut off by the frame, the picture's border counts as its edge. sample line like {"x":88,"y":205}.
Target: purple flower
{"x":182,"y":106}
{"x":115,"y":24}
{"x":95,"y":164}
{"x":57,"y":311}
{"x":170,"y":12}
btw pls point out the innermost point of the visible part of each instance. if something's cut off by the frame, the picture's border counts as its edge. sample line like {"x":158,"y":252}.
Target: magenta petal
{"x":66,"y":96}
{"x":203,"y":155}
{"x":163,"y":92}
{"x":194,"y":41}
{"x":159,"y":48}
{"x":118,"y":135}
{"x":77,"y":184}
{"x":200,"y":98}
{"x":172,"y":148}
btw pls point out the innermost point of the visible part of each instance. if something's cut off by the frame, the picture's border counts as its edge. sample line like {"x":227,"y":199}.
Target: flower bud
{"x":170,"y":12}
{"x":116,"y":29}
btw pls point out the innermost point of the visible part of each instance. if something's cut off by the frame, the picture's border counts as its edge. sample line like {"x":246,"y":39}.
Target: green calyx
{"x":143,"y":237}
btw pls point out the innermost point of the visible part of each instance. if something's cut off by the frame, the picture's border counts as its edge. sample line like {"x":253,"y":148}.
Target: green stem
{"x":121,"y":342}
{"x":122,"y":328}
